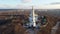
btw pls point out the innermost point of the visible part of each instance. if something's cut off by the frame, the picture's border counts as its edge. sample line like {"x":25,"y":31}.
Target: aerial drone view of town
{"x":29,"y":17}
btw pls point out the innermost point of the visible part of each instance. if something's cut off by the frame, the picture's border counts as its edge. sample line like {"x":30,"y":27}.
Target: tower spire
{"x":34,"y":22}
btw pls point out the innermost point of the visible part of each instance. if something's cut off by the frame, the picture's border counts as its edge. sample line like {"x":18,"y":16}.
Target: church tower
{"x":33,"y":14}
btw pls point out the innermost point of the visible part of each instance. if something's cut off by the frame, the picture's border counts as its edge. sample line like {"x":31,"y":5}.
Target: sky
{"x":28,"y":3}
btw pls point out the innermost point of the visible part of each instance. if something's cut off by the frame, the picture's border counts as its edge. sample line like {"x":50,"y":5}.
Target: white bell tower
{"x":34,"y":20}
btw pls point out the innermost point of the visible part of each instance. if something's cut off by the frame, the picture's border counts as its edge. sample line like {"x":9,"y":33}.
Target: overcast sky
{"x":28,"y":3}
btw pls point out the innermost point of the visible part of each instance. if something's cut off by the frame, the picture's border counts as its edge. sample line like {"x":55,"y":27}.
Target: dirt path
{"x":54,"y":29}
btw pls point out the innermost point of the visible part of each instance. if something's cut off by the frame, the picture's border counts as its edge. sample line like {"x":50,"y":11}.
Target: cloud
{"x":55,"y":3}
{"x":26,"y":1}
{"x":55,"y":6}
{"x":6,"y":6}
{"x":40,"y":7}
{"x":23,"y":7}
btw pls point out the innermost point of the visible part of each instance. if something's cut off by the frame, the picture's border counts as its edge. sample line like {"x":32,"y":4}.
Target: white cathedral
{"x":33,"y":17}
